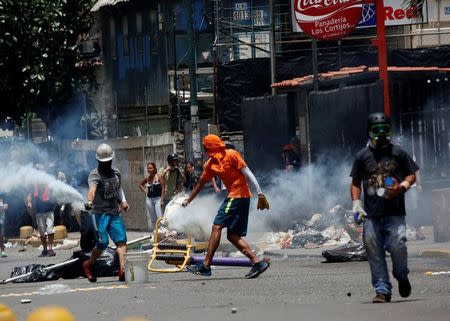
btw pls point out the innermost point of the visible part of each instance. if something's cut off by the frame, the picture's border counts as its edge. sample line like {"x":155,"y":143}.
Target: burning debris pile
{"x":335,"y":228}
{"x":332,"y":229}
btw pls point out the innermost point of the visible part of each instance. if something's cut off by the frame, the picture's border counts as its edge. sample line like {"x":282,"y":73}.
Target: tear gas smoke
{"x":196,"y":219}
{"x":292,"y":196}
{"x":25,"y":177}
{"x":295,"y":196}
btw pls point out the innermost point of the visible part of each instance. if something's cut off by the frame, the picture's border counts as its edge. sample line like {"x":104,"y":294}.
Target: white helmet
{"x":104,"y":153}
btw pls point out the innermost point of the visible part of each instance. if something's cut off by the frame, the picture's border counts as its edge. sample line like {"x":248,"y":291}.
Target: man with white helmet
{"x":105,"y":198}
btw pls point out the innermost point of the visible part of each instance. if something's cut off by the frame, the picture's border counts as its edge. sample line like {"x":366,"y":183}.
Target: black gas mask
{"x":379,"y":130}
{"x":105,"y":167}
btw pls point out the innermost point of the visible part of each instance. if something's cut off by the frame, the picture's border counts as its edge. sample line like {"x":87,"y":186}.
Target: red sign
{"x":327,"y":19}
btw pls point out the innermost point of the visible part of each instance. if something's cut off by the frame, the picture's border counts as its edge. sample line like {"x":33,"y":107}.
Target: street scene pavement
{"x":297,"y":286}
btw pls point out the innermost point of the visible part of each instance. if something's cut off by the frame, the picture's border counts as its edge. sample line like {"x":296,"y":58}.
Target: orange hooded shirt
{"x":227,"y":165}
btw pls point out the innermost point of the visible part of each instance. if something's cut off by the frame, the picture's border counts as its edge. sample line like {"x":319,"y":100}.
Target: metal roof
{"x":348,"y":71}
{"x":102,"y":3}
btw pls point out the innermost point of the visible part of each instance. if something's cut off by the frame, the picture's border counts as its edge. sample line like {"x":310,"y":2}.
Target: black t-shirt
{"x":372,"y":166}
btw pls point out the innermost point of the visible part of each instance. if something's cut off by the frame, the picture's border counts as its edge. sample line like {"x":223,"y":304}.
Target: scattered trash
{"x":106,"y":265}
{"x":334,"y":228}
{"x":25,"y":301}
{"x":67,"y":245}
{"x":36,"y":273}
{"x":54,"y":289}
{"x":9,"y":245}
{"x":437,"y":273}
{"x":346,"y":253}
{"x":415,"y":233}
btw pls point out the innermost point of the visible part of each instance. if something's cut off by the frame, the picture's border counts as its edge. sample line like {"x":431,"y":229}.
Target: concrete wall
{"x":132,"y":155}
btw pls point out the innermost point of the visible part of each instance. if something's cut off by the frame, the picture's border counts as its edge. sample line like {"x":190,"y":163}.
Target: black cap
{"x":172,"y":157}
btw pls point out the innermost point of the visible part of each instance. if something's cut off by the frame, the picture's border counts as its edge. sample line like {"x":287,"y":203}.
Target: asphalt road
{"x":292,"y":289}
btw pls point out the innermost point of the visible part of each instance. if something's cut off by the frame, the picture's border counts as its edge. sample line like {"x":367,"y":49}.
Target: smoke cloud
{"x":196,"y":219}
{"x":292,"y":197}
{"x":25,"y":177}
{"x":19,"y":175}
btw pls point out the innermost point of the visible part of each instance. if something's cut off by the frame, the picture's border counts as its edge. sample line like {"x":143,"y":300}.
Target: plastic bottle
{"x":358,"y":218}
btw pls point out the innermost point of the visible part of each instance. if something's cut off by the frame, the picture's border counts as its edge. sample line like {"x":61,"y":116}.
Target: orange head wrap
{"x":215,"y":148}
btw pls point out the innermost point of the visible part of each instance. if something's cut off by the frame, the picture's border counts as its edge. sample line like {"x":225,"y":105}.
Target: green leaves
{"x":98,"y":123}
{"x":38,"y":51}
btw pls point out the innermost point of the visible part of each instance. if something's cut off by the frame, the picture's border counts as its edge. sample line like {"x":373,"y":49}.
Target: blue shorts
{"x":233,"y":214}
{"x":108,"y":224}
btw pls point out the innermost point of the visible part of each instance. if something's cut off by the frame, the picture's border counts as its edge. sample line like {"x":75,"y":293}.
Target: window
{"x":139,"y":40}
{"x":112,"y":37}
{"x":126,"y":48}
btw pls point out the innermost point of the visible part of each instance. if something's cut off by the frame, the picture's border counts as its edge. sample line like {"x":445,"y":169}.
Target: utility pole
{"x":380,"y":42}
{"x":175,"y":75}
{"x":315,"y":65}
{"x":196,"y":147}
{"x":272,"y":45}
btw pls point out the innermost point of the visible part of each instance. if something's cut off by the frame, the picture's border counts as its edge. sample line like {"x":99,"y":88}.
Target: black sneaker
{"x":404,"y":288}
{"x":381,"y":298}
{"x":51,"y":253}
{"x":257,"y":269}
{"x":199,"y":269}
{"x":44,"y":253}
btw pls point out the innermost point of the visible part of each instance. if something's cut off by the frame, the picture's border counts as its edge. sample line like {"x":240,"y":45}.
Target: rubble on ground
{"x":335,"y":228}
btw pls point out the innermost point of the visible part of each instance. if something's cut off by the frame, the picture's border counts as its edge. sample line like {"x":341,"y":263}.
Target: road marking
{"x":68,"y":291}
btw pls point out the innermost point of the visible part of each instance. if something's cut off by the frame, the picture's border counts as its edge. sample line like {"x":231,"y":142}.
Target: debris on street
{"x":335,"y":228}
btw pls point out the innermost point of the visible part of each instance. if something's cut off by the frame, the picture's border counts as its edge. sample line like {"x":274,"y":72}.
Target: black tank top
{"x":154,"y":189}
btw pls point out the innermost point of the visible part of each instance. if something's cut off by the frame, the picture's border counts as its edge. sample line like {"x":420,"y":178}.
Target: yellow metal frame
{"x":157,"y":250}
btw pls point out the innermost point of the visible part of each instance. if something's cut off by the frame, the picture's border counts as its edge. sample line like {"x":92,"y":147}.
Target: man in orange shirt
{"x":229,"y":166}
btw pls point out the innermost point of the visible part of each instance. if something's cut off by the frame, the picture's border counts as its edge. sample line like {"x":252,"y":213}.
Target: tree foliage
{"x":38,"y":52}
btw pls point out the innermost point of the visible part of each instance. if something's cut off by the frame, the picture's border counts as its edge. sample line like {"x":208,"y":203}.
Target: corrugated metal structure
{"x":142,"y":41}
{"x":134,"y":49}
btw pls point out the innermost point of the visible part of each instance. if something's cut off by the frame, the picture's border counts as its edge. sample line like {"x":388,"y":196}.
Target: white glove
{"x":358,"y":212}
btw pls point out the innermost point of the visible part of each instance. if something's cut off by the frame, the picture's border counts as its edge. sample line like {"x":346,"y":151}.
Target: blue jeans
{"x":386,"y":234}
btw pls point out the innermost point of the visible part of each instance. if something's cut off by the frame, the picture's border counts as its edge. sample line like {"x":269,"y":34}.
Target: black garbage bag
{"x":75,"y":269}
{"x":87,"y":239}
{"x":346,"y":253}
{"x":39,"y":273}
{"x":107,"y":264}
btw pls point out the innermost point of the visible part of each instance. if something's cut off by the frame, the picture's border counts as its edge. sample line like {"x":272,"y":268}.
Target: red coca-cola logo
{"x":327,"y":19}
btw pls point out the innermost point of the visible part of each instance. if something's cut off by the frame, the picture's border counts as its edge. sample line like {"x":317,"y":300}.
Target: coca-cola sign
{"x":327,"y":19}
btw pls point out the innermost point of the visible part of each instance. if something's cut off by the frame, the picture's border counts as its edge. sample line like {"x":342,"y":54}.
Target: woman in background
{"x":152,"y":186}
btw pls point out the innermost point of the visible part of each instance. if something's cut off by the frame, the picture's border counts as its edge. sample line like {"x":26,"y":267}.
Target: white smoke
{"x":196,"y":219}
{"x":292,"y":196}
{"x":25,"y":177}
{"x":316,"y":188}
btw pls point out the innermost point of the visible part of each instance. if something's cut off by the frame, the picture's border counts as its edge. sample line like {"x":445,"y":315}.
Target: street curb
{"x":436,"y":253}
